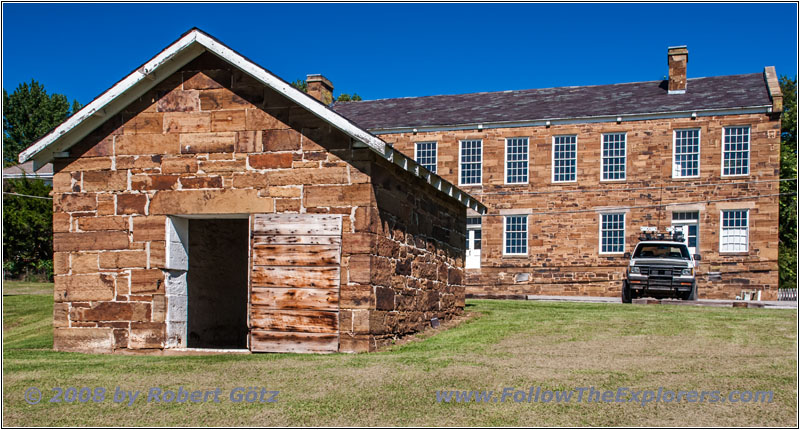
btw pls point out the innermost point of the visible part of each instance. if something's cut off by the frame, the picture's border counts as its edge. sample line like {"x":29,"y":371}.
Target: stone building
{"x":202,"y":202}
{"x":571,"y":174}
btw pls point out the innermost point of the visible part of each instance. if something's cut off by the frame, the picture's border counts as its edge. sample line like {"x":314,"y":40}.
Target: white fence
{"x":787,"y":294}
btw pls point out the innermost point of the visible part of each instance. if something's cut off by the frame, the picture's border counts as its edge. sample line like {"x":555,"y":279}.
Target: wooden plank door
{"x":294,"y":282}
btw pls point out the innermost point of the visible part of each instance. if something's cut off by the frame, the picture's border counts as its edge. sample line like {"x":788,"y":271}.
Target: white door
{"x":473,"y":260}
{"x":689,"y":221}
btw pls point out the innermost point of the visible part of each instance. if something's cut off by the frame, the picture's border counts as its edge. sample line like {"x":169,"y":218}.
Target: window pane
{"x":517,"y":160}
{"x":613,"y":156}
{"x":426,"y":155}
{"x":471,"y":161}
{"x":516,"y":234}
{"x":687,"y":153}
{"x":612,"y":233}
{"x":565,"y":150}
{"x":734,"y":236}
{"x":736,"y":151}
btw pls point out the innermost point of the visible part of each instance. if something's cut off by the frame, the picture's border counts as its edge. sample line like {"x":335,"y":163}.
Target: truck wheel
{"x":692,"y":296}
{"x":626,"y":292}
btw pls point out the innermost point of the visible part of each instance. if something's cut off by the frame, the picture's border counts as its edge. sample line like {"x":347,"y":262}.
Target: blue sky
{"x":401,"y":50}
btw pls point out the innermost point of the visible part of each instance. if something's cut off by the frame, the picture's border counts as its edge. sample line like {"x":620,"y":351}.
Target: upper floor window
{"x":515,"y":235}
{"x":614,"y":155}
{"x":686,"y":154}
{"x":470,"y":163}
{"x":565,"y":158}
{"x":517,"y":160}
{"x":736,"y":151}
{"x":425,"y":155}
{"x":734,"y":232}
{"x":612,"y":233}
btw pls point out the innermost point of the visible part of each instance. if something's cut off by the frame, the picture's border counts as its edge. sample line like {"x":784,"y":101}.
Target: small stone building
{"x":202,"y":202}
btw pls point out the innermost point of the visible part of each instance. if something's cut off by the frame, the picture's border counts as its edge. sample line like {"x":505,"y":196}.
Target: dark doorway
{"x":217,"y":283}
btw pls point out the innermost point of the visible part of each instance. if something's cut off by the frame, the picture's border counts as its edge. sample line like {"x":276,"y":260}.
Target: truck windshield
{"x":661,"y":250}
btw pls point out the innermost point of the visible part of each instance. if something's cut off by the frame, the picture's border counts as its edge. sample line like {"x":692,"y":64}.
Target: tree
{"x":28,"y":114}
{"x":787,"y":249}
{"x":27,"y":229}
{"x":344,"y":97}
{"x":301,"y":85}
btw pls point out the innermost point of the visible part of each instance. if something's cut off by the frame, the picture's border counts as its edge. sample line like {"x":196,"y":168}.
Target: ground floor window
{"x":612,"y":233}
{"x":690,"y":221}
{"x":734,"y":231}
{"x":515,"y":235}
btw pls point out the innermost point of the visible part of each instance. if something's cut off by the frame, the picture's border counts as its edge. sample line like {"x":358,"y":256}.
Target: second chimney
{"x":677,"y":58}
{"x":320,"y":88}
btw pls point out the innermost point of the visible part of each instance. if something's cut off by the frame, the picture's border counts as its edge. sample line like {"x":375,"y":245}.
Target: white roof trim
{"x":175,"y":56}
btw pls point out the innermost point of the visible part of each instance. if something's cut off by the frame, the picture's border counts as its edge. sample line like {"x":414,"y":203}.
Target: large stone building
{"x":571,"y":174}
{"x":202,"y":202}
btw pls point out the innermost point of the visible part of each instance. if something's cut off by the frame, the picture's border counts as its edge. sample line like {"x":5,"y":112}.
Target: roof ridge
{"x":535,"y":89}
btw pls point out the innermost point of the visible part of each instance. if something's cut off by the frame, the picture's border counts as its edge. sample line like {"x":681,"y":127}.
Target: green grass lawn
{"x":511,"y":344}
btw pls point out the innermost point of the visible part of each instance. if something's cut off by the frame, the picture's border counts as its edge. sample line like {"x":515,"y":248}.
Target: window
{"x":470,"y":162}
{"x":515,"y":232}
{"x":474,"y":233}
{"x":686,"y":154}
{"x":734,"y":234}
{"x":612,"y":233}
{"x":426,"y":155}
{"x":736,"y":151}
{"x":565,"y":150}
{"x":517,"y":160}
{"x":614,"y":153}
{"x":690,"y":221}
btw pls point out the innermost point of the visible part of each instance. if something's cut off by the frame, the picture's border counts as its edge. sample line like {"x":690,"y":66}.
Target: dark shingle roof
{"x":718,"y":92}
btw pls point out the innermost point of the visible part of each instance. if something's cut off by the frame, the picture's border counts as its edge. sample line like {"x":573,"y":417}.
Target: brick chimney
{"x":320,"y":88}
{"x":677,"y":58}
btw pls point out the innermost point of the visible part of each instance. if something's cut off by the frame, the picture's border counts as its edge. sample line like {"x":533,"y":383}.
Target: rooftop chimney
{"x":677,"y":58}
{"x":320,"y":88}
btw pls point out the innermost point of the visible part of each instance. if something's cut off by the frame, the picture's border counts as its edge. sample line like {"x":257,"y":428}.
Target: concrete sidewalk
{"x":767,"y":304}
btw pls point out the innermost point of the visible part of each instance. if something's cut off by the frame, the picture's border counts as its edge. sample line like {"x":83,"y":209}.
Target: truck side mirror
{"x":627,"y":255}
{"x":697,"y":257}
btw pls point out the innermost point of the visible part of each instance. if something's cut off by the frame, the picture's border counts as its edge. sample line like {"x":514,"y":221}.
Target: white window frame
{"x":749,"y":151}
{"x":435,"y":154}
{"x":602,"y":138}
{"x":721,"y":229}
{"x":675,"y":153}
{"x":553,"y":159}
{"x":600,"y":232}
{"x":527,"y":235}
{"x":460,"y":167}
{"x":527,"y":161}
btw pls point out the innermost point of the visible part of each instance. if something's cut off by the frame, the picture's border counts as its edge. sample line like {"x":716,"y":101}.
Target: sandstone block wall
{"x":209,"y":140}
{"x":563,"y":248}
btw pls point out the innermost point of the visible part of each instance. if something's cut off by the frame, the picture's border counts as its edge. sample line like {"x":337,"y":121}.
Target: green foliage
{"x":76,"y":106}
{"x":344,"y":97}
{"x":301,"y":85}
{"x":787,"y":255}
{"x":27,"y":230}
{"x":28,"y":114}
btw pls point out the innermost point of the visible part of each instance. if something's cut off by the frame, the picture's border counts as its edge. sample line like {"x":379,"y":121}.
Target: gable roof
{"x":703,"y":96}
{"x":189,"y":46}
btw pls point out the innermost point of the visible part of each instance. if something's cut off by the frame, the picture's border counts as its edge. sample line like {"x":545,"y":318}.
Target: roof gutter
{"x":759,"y":109}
